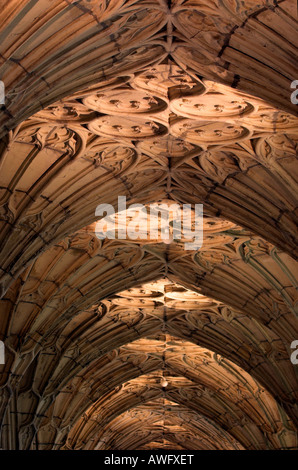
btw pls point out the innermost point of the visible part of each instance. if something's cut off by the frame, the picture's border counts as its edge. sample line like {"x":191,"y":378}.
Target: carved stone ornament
{"x":137,"y":343}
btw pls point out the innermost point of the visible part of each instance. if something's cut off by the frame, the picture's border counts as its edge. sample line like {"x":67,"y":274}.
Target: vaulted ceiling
{"x":181,"y":101}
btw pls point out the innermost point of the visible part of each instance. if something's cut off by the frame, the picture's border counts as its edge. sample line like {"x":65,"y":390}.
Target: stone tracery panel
{"x":191,"y":140}
{"x":250,"y":46}
{"x":188,"y":103}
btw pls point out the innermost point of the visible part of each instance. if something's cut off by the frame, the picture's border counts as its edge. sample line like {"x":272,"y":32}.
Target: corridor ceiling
{"x":142,"y":344}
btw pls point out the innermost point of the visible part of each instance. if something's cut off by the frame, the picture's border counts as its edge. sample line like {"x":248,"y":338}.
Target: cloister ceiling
{"x":181,"y":101}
